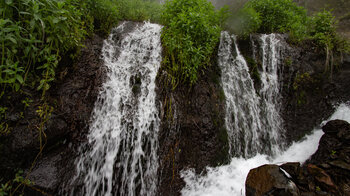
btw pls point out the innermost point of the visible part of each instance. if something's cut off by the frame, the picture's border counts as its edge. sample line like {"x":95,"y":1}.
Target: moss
{"x":222,"y":96}
{"x":215,"y":78}
{"x":345,"y":17}
{"x":288,"y":61}
{"x":222,"y":156}
{"x":253,"y":70}
{"x":302,"y":80}
{"x":302,"y":83}
{"x":301,"y":98}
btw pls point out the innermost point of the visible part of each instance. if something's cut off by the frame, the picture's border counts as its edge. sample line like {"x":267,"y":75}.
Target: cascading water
{"x":253,"y":117}
{"x":270,"y":92}
{"x":240,"y":96}
{"x":228,"y":180}
{"x":122,"y":155}
{"x":252,"y":120}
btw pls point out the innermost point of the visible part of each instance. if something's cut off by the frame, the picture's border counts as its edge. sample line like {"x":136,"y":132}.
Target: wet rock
{"x":72,"y":96}
{"x":292,"y":169}
{"x":340,"y":164}
{"x":333,"y":145}
{"x":347,"y":58}
{"x":309,"y":94}
{"x":192,"y":132}
{"x":308,"y":194}
{"x":44,"y":175}
{"x":322,"y":178}
{"x":325,"y":173}
{"x":269,"y":180}
{"x":336,"y":127}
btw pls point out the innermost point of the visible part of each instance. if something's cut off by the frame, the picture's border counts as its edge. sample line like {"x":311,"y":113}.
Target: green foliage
{"x":190,"y":34}
{"x":244,"y":22}
{"x":4,"y":128}
{"x":140,"y":10}
{"x":280,"y":16}
{"x":102,"y":14}
{"x":302,"y":79}
{"x":10,"y":188}
{"x":33,"y":34}
{"x":323,"y":29}
{"x":285,"y":16}
{"x":26,"y":102}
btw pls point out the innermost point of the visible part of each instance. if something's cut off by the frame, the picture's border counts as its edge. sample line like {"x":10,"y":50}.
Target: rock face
{"x":192,"y":132}
{"x":72,"y":96}
{"x":333,"y":154}
{"x":326,"y":173}
{"x":308,"y":92}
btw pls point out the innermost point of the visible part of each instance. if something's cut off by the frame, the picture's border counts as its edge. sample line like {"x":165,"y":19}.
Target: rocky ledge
{"x":327,"y":172}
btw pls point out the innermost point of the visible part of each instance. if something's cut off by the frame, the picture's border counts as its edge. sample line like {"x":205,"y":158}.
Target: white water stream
{"x":121,"y":157}
{"x":252,"y":120}
{"x":229,"y":179}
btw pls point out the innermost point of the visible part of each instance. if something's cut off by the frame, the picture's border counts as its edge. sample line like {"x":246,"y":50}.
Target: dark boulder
{"x":269,"y":180}
{"x":293,"y":169}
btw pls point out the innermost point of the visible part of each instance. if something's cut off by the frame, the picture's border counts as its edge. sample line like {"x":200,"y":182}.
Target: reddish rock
{"x":269,"y":180}
{"x":322,"y":177}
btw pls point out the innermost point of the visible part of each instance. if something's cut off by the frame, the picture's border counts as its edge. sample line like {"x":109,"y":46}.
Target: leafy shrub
{"x":323,"y":32}
{"x":33,"y":34}
{"x":12,"y":187}
{"x":280,"y":16}
{"x":140,"y":10}
{"x":285,"y":16}
{"x":190,"y":35}
{"x":103,"y":14}
{"x":244,"y":22}
{"x":323,"y":28}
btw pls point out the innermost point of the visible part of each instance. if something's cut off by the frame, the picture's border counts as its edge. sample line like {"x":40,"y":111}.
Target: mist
{"x":234,"y":5}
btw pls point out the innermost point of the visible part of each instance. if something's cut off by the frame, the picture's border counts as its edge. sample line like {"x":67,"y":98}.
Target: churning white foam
{"x":230,"y":179}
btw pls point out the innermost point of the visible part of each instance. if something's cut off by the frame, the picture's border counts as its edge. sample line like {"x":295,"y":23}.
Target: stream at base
{"x":228,"y":180}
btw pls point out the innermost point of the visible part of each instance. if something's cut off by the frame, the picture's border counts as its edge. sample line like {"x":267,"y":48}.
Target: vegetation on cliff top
{"x":285,"y":16}
{"x":190,"y":34}
{"x":35,"y":34}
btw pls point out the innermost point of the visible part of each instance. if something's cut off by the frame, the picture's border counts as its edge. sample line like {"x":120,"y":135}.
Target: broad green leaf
{"x":10,"y":81}
{"x":25,"y":13}
{"x":12,"y":39}
{"x":8,"y":2}
{"x":55,"y":20}
{"x":17,"y":87}
{"x":19,"y":79}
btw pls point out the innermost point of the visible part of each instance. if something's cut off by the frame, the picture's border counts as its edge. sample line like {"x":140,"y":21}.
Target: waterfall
{"x":252,"y":119}
{"x":253,"y":122}
{"x":270,"y":92}
{"x":228,"y":180}
{"x":121,"y":153}
{"x":242,"y":104}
